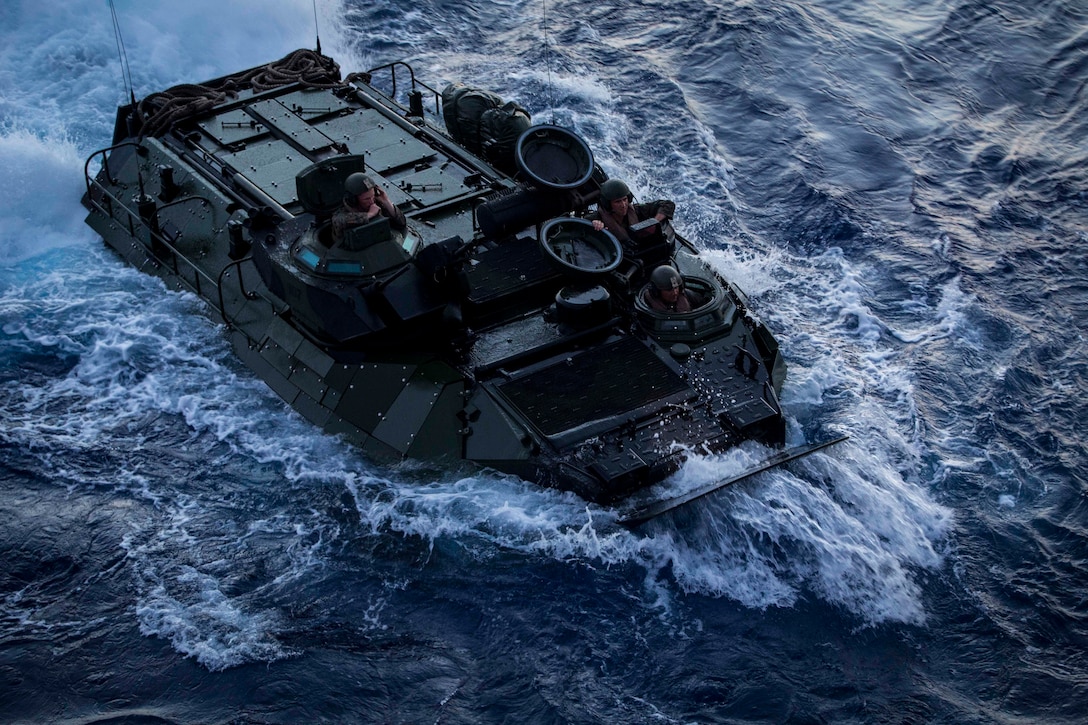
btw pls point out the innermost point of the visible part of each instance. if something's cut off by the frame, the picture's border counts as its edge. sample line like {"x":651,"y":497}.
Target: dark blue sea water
{"x":901,"y":187}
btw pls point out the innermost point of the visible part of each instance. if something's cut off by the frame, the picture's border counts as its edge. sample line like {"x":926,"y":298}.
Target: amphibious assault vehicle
{"x":500,"y":328}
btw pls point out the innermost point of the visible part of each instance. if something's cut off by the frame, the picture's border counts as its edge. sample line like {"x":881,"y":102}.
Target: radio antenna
{"x":317,"y":30}
{"x":548,"y":57}
{"x":122,"y":56}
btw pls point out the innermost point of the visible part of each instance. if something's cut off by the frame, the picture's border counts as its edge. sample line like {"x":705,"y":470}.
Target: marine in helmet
{"x":364,"y":201}
{"x":617,"y":213}
{"x":665,"y":292}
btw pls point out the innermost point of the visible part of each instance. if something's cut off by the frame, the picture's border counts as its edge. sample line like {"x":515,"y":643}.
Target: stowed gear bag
{"x":481,"y":122}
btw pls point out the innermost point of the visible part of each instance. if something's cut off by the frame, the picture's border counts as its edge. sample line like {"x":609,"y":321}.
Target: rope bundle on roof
{"x":159,"y":111}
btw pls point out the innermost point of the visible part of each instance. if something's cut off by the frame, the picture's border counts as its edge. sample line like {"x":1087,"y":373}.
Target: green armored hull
{"x":501,"y":328}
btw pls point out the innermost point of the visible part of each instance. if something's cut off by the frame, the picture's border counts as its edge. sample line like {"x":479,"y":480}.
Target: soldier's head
{"x":667,"y":282}
{"x":615,"y":195}
{"x":359,"y":190}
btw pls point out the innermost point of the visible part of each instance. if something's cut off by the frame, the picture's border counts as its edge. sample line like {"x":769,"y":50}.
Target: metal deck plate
{"x":600,"y":383}
{"x":233,"y":127}
{"x":276,"y":115}
{"x":386,"y":145}
{"x":271,"y":165}
{"x":433,"y":185}
{"x":515,"y":265}
{"x":313,"y":104}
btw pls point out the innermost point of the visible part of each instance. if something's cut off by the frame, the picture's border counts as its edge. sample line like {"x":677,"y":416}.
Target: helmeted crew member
{"x":617,"y":213}
{"x":666,"y":292}
{"x":364,"y":201}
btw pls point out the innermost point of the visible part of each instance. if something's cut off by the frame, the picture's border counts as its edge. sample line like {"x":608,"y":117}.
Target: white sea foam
{"x":42,"y":177}
{"x":850,"y":530}
{"x":185,"y":603}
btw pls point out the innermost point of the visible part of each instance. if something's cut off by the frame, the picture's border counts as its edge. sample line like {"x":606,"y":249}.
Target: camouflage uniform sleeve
{"x":651,"y":209}
{"x":397,"y":221}
{"x":344,"y":219}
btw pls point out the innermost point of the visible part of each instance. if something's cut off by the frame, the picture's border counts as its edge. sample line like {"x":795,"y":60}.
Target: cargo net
{"x":157,"y":112}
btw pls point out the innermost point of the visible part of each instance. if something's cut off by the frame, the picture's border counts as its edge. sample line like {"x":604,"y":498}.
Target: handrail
{"x":105,"y":162}
{"x":241,"y":286}
{"x":157,"y":237}
{"x":134,"y":221}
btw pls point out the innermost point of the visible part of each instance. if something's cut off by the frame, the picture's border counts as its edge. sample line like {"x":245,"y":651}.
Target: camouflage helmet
{"x":614,"y":189}
{"x":666,"y":278}
{"x":357,"y":183}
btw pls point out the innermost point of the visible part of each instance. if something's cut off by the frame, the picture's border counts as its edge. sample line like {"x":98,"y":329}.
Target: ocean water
{"x":902,"y":190}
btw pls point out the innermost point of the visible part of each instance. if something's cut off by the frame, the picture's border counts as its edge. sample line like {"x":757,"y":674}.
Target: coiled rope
{"x":159,"y":111}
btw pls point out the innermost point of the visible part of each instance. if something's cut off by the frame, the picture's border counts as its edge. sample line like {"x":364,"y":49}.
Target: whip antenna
{"x":317,"y":31}
{"x":122,"y":56}
{"x":548,"y":57}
